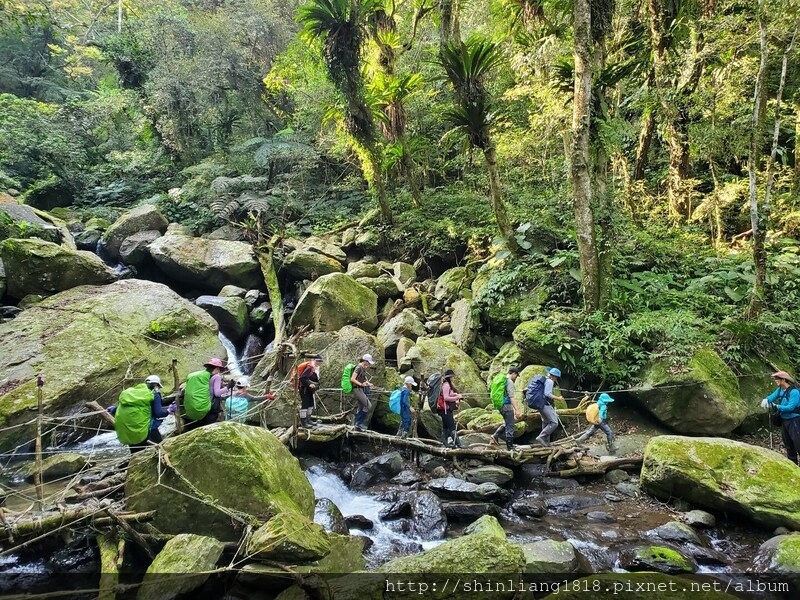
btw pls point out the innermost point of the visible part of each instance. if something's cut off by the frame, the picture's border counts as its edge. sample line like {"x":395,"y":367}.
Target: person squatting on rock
{"x":361,"y":389}
{"x":786,"y":401}
{"x":138,"y":414}
{"x":509,"y":410}
{"x":309,"y":384}
{"x":405,"y":406}
{"x":237,"y":405}
{"x":447,"y":404}
{"x":548,"y":411}
{"x":602,"y":405}
{"x":203,"y":394}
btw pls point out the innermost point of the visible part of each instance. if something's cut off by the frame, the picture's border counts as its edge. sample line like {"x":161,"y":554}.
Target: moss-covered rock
{"x":464,"y":323}
{"x":451,"y":284}
{"x":549,"y":556}
{"x":134,"y":248}
{"x":725,"y":476}
{"x":404,"y":272}
{"x":336,"y":300}
{"x":780,"y":554}
{"x":142,"y":218}
{"x":57,"y":466}
{"x":436,"y":355}
{"x":384,"y":286}
{"x":224,"y":474}
{"x":21,"y":222}
{"x":639,"y":586}
{"x":489,"y":474}
{"x":515,"y":309}
{"x":703,"y":400}
{"x":34,"y":266}
{"x":206,"y":264}
{"x":507,"y":356}
{"x":487,"y":525}
{"x":362,"y":268}
{"x":307,"y":264}
{"x":183,"y":555}
{"x":91,"y":342}
{"x":656,"y":558}
{"x":289,"y":538}
{"x":406,"y":324}
{"x":531,"y":338}
{"x":230,"y":312}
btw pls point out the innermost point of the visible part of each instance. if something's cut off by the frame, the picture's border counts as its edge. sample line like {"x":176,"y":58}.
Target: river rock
{"x":451,"y":283}
{"x":237,"y":467}
{"x":289,"y":538}
{"x":88,"y":239}
{"x":404,"y":272}
{"x":134,"y":249}
{"x":336,"y":300}
{"x":396,"y":510}
{"x":570,"y":503}
{"x":469,"y":511}
{"x":379,"y":469}
{"x":451,"y":487}
{"x":529,"y":507}
{"x":261,"y":314}
{"x":600,"y":516}
{"x":239,"y":292}
{"x":118,"y":330}
{"x":463,"y":324}
{"x":436,"y":355}
{"x":206,"y":264}
{"x":534,"y":341}
{"x":57,"y":466}
{"x":359,"y":522}
{"x":142,"y":218}
{"x":407,"y":477}
{"x":327,"y":514}
{"x":628,"y":489}
{"x":675,"y":531}
{"x":251,"y":354}
{"x":230,"y":312}
{"x":360,"y":268}
{"x":34,"y":266}
{"x":22,"y":221}
{"x":780,"y":554}
{"x":700,"y":518}
{"x":307,"y":264}
{"x":549,"y":556}
{"x":726,"y":476}
{"x":487,"y":525}
{"x":656,"y":558}
{"x":404,"y":325}
{"x":384,"y":286}
{"x":704,"y":400}
{"x":615,"y":476}
{"x":489,"y":474}
{"x":182,"y":555}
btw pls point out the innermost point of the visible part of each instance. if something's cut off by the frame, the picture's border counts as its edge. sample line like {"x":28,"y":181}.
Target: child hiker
{"x":602,"y":404}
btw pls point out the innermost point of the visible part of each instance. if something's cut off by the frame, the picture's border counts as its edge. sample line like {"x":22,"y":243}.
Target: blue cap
{"x":605,"y":398}
{"x":554,"y":372}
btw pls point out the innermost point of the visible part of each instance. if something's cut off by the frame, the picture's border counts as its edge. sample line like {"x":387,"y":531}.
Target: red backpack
{"x":297,"y":373}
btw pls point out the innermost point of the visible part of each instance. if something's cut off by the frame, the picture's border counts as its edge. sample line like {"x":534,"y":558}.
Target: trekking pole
{"x":37,"y":474}
{"x":769,"y":428}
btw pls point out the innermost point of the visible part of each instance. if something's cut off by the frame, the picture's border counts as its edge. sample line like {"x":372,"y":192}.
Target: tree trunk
{"x":267,"y":264}
{"x":498,"y":204}
{"x":645,"y":135}
{"x":753,"y":163}
{"x":579,"y":158}
{"x":378,"y":187}
{"x":448,"y":23}
{"x":796,"y":180}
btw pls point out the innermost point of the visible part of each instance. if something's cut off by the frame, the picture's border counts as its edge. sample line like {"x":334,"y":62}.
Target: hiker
{"x":139,"y":413}
{"x":405,"y":406}
{"x":509,"y":410}
{"x":203,"y":394}
{"x":449,"y":402}
{"x":786,"y":401}
{"x":308,"y":386}
{"x":602,"y":405}
{"x":361,"y":389}
{"x":548,"y":411}
{"x":238,"y":403}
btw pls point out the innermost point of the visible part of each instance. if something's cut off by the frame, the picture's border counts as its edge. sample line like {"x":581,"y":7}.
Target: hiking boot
{"x":403,"y":434}
{"x":510,"y":447}
{"x":542,"y":442}
{"x":360,"y":428}
{"x":612,"y":447}
{"x":581,"y":438}
{"x":457,"y":443}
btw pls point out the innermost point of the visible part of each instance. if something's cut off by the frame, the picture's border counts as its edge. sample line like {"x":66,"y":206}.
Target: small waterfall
{"x":120,"y":270}
{"x":234,"y":367}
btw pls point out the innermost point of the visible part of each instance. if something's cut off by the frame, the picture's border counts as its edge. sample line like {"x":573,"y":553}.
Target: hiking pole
{"x":769,"y":427}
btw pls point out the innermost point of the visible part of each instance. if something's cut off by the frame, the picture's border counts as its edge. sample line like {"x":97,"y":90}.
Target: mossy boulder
{"x":436,"y":355}
{"x":57,"y":466}
{"x":464,"y":323}
{"x":142,"y":218}
{"x":489,"y":474}
{"x":406,"y":324}
{"x":507,"y":356}
{"x":639,"y":586}
{"x":451,"y":284}
{"x":190,"y":556}
{"x":21,"y":222}
{"x":230,"y":312}
{"x":656,"y":558}
{"x":323,"y":246}
{"x":336,"y":300}
{"x":384,"y":286}
{"x":487,"y":525}
{"x":91,"y":342}
{"x":532,"y":340}
{"x":404,"y":272}
{"x":780,"y":554}
{"x":206,"y":264}
{"x":704,"y":399}
{"x":223,"y":476}
{"x":362,"y":268}
{"x":515,"y":309}
{"x":724,"y":476}
{"x":134,"y":249}
{"x":34,"y":266}
{"x":289,"y":538}
{"x":307,"y":264}
{"x":549,"y":556}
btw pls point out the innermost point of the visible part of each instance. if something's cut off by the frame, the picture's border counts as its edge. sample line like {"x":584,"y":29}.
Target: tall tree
{"x":341,"y":27}
{"x":467,"y":64}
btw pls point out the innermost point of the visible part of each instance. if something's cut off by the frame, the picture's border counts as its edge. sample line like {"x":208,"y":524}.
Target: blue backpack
{"x":394,"y":400}
{"x":534,"y":393}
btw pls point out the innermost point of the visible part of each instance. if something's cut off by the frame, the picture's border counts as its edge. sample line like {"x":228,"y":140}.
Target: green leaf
{"x":735,"y":295}
{"x":576,"y":274}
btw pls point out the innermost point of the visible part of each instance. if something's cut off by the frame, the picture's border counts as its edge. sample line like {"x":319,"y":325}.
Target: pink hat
{"x":783,"y":375}
{"x":214,"y":362}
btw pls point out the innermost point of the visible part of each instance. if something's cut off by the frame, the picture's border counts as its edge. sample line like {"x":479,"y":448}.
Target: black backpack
{"x":534,"y":393}
{"x":434,"y":384}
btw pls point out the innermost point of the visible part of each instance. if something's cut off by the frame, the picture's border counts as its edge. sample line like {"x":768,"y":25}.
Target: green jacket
{"x":132,"y":417}
{"x":197,"y":395}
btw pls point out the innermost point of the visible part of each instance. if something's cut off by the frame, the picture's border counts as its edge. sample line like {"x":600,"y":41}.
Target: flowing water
{"x":234,"y":367}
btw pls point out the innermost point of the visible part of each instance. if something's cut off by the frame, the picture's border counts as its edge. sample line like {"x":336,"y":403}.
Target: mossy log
{"x":588,"y":466}
{"x":109,"y":572}
{"x":49,"y":523}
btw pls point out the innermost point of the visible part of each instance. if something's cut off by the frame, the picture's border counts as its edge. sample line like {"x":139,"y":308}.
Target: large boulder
{"x":142,"y":218}
{"x":206,"y":264}
{"x":436,"y":355}
{"x":21,"y":221}
{"x":289,"y":538}
{"x":406,"y":324}
{"x":780,"y":554}
{"x":90,"y":342}
{"x":534,"y":342}
{"x":307,"y":264}
{"x":336,"y":300}
{"x":325,"y":247}
{"x":379,"y":469}
{"x":451,"y":284}
{"x":57,"y":466}
{"x":384,"y":286}
{"x":134,"y":248}
{"x":702,"y":400}
{"x":230,"y":312}
{"x":724,"y":476}
{"x":34,"y":266}
{"x":222,"y":477}
{"x":190,"y":557}
{"x":549,"y":556}
{"x":464,"y":323}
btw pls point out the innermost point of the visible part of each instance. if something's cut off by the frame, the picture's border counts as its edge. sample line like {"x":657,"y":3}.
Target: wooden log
{"x":593,"y":467}
{"x":49,"y":523}
{"x":103,"y":484}
{"x":104,"y":414}
{"x":135,"y":536}
{"x":109,"y":572}
{"x":101,"y":492}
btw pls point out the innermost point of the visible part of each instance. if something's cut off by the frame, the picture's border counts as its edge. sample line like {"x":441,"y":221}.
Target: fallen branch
{"x":103,"y":484}
{"x":46,"y":524}
{"x":585,"y":467}
{"x":135,"y":536}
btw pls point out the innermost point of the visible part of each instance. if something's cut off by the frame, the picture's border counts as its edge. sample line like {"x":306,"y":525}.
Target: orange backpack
{"x":297,"y":373}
